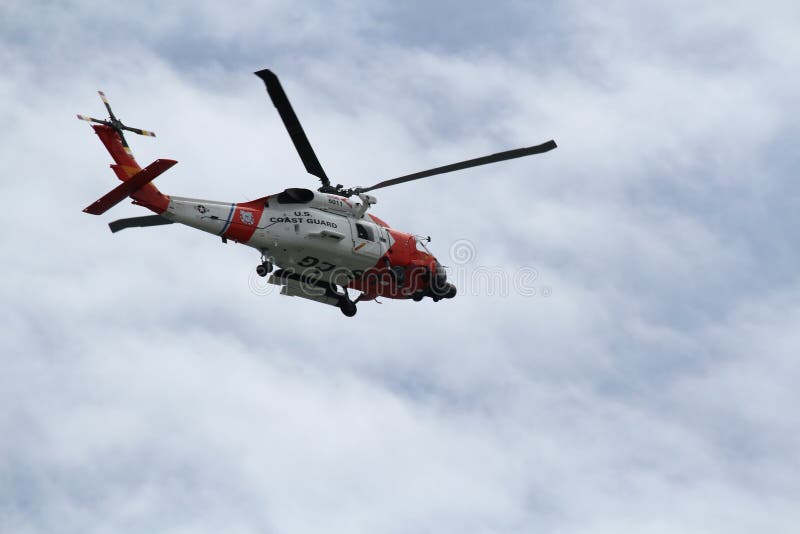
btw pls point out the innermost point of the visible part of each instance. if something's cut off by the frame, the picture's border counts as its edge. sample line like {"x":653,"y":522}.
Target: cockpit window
{"x":365,"y":232}
{"x":295,"y":195}
{"x":421,"y":245}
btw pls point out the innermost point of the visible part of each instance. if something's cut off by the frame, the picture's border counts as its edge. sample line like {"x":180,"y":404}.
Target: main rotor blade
{"x":292,"y":123}
{"x":138,"y":222}
{"x":492,"y":158}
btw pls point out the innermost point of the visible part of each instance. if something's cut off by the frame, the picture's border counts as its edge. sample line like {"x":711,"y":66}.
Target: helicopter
{"x":315,"y":245}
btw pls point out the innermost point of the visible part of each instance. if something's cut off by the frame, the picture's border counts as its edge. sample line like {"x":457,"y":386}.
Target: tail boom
{"x":136,"y":181}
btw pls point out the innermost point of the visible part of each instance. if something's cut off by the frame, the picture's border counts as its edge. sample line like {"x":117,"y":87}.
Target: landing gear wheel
{"x":418,"y":296}
{"x":348,"y":307}
{"x":264,"y":269}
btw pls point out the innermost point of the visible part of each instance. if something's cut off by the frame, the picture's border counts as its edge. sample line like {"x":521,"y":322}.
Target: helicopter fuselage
{"x":319,"y":237}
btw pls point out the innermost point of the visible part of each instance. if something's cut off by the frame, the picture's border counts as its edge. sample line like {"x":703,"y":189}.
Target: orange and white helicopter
{"x":322,"y":243}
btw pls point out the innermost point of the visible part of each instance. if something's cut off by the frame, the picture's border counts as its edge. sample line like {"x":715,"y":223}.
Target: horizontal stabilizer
{"x":127,"y":188}
{"x":138,"y":222}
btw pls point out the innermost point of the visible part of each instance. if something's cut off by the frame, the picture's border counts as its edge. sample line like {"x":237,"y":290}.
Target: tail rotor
{"x":115,"y":123}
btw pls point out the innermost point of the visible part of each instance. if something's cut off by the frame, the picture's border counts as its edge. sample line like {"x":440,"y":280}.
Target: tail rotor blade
{"x":139,"y":131}
{"x":92,"y":119}
{"x":116,"y":124}
{"x":108,"y":106}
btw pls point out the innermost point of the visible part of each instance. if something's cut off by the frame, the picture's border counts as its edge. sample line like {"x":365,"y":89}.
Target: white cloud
{"x":146,"y":386}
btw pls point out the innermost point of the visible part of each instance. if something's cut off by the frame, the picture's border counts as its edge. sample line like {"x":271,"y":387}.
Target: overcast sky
{"x":622,"y":355}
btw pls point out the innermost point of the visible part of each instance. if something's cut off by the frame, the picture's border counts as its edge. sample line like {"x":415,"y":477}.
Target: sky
{"x":621,"y":354}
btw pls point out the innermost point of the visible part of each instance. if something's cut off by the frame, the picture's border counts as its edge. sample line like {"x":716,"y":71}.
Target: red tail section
{"x":129,"y":187}
{"x":126,"y":168}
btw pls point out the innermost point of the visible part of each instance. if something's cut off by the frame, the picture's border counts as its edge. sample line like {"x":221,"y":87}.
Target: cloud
{"x":148,"y":386}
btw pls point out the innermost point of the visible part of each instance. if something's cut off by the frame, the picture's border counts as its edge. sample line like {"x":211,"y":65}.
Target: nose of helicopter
{"x":440,"y":288}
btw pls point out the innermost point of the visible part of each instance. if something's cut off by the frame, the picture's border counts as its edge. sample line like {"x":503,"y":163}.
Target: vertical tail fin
{"x":143,"y":192}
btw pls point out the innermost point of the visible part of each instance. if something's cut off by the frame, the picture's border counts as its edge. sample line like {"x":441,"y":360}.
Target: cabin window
{"x":365,"y":232}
